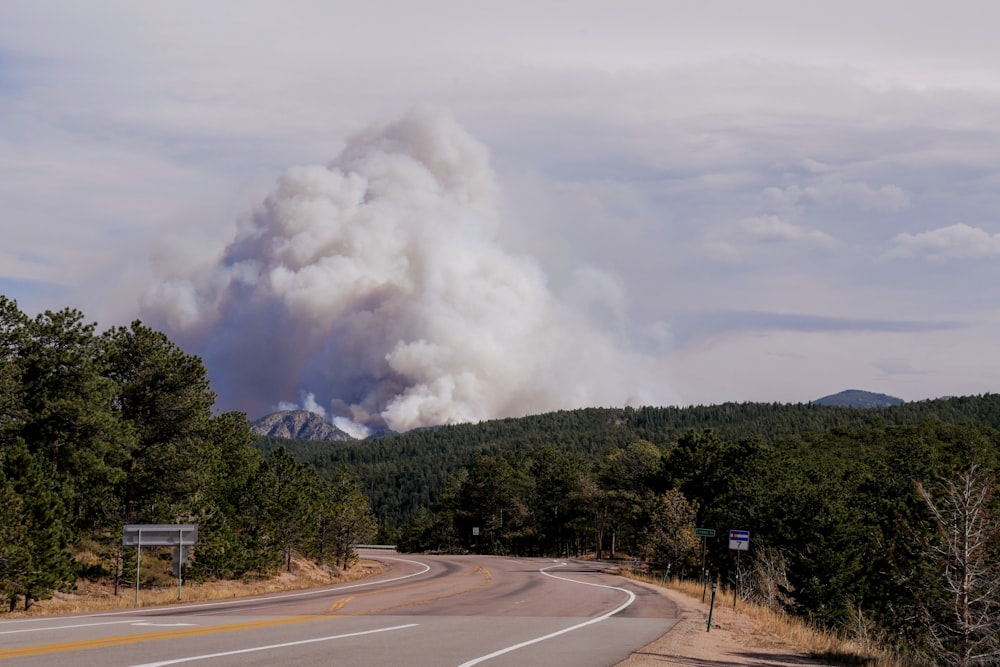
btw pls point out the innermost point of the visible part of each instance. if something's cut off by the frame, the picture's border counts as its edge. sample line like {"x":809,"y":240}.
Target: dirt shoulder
{"x":734,"y":639}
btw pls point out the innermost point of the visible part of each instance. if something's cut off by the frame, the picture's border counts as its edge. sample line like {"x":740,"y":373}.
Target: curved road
{"x":455,"y":611}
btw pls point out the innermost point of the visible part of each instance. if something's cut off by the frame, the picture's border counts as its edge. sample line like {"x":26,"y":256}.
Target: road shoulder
{"x":734,"y":639}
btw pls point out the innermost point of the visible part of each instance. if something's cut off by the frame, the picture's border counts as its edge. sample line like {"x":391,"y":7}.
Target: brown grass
{"x":93,"y":596}
{"x":862,"y":649}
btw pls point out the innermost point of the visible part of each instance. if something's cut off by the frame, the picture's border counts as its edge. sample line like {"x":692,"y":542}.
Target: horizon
{"x":323,"y":416}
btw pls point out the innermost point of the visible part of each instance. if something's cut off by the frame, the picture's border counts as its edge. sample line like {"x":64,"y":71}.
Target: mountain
{"x":855,"y":398}
{"x":299,"y":425}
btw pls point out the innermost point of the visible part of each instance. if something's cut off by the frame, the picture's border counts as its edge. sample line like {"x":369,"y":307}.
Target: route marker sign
{"x":739,"y":540}
{"x":704,"y":532}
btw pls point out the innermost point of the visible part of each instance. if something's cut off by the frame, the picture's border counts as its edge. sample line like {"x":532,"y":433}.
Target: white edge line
{"x":180,"y":607}
{"x":272,"y":646}
{"x":65,"y":627}
{"x":598,"y":619}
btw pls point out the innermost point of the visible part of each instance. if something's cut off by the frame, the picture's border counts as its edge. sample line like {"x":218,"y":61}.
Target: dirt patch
{"x":734,"y":639}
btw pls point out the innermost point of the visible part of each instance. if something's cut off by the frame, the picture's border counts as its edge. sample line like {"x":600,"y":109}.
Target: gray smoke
{"x":373,"y":290}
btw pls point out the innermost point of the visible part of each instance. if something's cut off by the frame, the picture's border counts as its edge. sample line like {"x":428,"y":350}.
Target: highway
{"x":440,"y":611}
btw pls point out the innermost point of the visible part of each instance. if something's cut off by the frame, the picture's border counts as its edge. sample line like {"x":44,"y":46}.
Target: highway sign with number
{"x":739,"y":540}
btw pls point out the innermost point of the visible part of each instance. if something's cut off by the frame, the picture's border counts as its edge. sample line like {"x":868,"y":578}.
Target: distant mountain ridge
{"x":856,"y":398}
{"x":305,"y":425}
{"x":298,"y":425}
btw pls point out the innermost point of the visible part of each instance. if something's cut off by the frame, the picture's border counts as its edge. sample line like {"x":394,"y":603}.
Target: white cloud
{"x":832,"y":190}
{"x":959,"y":241}
{"x":772,"y":228}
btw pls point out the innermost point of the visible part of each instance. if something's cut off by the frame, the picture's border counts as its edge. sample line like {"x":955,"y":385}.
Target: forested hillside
{"x":401,"y":473}
{"x":99,"y":430}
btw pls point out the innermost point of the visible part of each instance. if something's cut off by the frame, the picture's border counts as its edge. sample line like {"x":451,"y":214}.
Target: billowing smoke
{"x":373,"y":289}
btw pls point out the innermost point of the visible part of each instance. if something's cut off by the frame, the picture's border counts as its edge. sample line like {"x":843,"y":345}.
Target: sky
{"x":414,"y":213}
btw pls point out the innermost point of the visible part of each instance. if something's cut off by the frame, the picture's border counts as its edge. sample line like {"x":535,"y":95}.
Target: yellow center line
{"x":150,"y":636}
{"x":339,"y":604}
{"x":232,"y":627}
{"x":487,"y":578}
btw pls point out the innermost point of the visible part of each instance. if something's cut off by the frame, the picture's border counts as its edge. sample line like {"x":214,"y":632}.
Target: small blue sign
{"x":739,"y":540}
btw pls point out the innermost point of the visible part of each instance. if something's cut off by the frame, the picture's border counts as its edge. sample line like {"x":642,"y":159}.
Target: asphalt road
{"x":454,"y":611}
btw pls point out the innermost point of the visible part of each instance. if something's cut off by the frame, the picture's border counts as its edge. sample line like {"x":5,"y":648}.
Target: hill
{"x":855,"y":398}
{"x":403,"y":472}
{"x":298,"y":425}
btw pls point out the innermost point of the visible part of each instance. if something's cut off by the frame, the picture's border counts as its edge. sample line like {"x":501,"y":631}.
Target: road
{"x":455,"y":611}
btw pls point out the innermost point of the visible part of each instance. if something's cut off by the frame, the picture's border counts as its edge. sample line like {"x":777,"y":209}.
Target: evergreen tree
{"x":668,"y":539}
{"x":163,"y":395}
{"x":67,"y":402}
{"x":15,"y":547}
{"x":46,"y":530}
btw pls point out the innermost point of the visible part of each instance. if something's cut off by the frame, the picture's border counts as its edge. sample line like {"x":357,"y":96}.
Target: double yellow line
{"x":231,"y":627}
{"x":339,"y":604}
{"x":150,"y":636}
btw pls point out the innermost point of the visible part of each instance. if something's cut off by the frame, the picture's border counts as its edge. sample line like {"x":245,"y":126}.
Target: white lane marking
{"x":272,"y":646}
{"x":630,"y":599}
{"x":166,"y":625}
{"x":65,"y":627}
{"x":182,"y":607}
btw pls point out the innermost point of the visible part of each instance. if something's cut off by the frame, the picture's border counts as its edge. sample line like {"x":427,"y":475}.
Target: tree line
{"x":891,"y":528}
{"x":403,"y":472}
{"x":103,"y":429}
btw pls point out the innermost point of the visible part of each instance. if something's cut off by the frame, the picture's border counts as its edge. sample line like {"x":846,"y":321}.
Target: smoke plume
{"x":373,"y":289}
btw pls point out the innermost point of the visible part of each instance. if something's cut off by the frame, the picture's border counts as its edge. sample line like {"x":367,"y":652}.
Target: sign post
{"x":739,"y":541}
{"x":703,"y":533}
{"x":178,"y":535}
{"x":708,"y":626}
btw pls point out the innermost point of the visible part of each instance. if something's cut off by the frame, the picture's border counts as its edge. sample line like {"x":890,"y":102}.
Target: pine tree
{"x":163,"y":396}
{"x":15,"y":547}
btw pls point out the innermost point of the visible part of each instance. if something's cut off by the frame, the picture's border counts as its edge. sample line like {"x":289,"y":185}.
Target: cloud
{"x":773,"y":228}
{"x":756,"y":240}
{"x":697,"y":327}
{"x":832,"y":190}
{"x":959,"y":241}
{"x":896,"y":366}
{"x":375,"y":284}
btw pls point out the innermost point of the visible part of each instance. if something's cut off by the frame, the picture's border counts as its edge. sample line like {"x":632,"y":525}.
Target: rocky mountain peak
{"x":299,"y":425}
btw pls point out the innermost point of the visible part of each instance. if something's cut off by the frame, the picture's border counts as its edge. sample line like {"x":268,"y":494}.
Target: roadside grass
{"x":861,"y":649}
{"x":98,"y":595}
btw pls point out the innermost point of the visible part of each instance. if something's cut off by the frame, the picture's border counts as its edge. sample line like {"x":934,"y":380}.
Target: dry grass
{"x":94,"y":596}
{"x":821,"y":644}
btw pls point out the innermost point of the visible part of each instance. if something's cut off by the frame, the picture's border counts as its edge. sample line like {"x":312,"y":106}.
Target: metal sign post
{"x":178,"y":535}
{"x":138,"y":555}
{"x":739,"y":541}
{"x":704,"y":533}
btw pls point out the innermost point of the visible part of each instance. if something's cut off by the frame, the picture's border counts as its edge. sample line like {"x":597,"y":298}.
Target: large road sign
{"x":177,"y":535}
{"x":160,"y":535}
{"x":739,"y":540}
